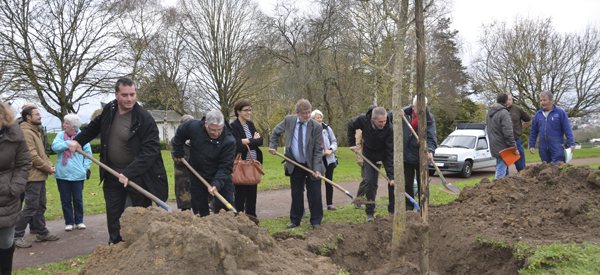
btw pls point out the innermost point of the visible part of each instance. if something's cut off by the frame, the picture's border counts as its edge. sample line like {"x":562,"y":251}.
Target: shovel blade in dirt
{"x":448,"y":187}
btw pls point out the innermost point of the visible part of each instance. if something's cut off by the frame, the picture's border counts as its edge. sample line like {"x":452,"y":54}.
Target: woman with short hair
{"x":329,"y":158}
{"x":245,"y":133}
{"x":15,"y":165}
{"x":71,"y":171}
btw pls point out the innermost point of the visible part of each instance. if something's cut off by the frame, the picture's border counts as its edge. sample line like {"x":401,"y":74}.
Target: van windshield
{"x":467,"y":142}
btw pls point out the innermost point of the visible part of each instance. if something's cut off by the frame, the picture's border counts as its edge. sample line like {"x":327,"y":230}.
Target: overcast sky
{"x":468,"y":17}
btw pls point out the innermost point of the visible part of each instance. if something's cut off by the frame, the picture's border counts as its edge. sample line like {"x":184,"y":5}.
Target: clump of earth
{"x":542,"y":204}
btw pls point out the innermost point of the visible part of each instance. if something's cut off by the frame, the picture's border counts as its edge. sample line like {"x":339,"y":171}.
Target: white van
{"x":465,"y":149}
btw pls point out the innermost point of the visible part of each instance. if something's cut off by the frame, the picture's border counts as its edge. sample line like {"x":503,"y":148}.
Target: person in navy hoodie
{"x":551,"y":124}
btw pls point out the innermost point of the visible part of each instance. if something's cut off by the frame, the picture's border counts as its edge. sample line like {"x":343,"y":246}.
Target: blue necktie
{"x":300,"y":143}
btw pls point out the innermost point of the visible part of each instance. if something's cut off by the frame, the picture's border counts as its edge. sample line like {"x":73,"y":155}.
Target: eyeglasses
{"x":305,"y":113}
{"x":247,"y":110}
{"x":215,"y":131}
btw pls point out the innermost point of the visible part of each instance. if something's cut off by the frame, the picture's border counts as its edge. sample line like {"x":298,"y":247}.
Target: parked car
{"x":465,"y":149}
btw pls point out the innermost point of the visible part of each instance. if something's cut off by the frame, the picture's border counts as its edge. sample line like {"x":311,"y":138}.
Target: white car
{"x":465,"y":149}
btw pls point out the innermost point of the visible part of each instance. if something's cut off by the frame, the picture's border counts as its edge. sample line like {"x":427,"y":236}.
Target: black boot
{"x":6,"y":259}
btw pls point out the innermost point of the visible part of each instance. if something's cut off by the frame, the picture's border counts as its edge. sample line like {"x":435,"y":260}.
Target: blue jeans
{"x":72,"y":200}
{"x":501,"y":168}
{"x":520,"y":163}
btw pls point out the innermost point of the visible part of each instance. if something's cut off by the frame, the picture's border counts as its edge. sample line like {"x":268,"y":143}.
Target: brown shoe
{"x":49,"y":237}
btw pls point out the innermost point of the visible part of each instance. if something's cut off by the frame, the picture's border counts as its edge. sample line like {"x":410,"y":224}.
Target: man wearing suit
{"x":304,"y":144}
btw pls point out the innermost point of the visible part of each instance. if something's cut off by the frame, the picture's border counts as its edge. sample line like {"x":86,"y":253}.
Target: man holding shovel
{"x":130,"y":146}
{"x":378,"y":145}
{"x":411,"y":150}
{"x":303,"y":143}
{"x":212,"y":153}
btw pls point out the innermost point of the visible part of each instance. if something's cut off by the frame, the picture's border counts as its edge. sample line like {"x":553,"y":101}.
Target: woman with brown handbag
{"x":245,"y":135}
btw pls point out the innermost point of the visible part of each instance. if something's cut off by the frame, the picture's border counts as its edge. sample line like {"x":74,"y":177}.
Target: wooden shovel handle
{"x":223,"y":200}
{"x":131,"y":183}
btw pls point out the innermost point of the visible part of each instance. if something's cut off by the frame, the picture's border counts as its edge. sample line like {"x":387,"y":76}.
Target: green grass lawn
{"x":553,"y":259}
{"x":274,"y":178}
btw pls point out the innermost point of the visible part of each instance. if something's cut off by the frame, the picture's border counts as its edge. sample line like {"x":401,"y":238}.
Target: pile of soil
{"x":543,"y":204}
{"x":158,"y":242}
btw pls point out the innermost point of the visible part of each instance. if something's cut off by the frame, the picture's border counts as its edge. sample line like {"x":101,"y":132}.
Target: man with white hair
{"x":411,"y":150}
{"x":303,"y":143}
{"x":552,"y":125}
{"x":212,"y":152}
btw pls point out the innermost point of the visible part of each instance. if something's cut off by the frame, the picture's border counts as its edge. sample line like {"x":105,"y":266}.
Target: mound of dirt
{"x":543,"y":204}
{"x":158,"y":242}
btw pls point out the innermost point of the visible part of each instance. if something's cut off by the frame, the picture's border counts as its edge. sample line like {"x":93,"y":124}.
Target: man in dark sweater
{"x":130,"y":146}
{"x":520,"y":120}
{"x":378,"y":145}
{"x":212,"y":152}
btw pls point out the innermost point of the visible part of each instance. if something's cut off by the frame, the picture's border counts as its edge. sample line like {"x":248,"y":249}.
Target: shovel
{"x":223,"y":200}
{"x":388,"y":179}
{"x":448,"y":187}
{"x":355,"y":200}
{"x":131,"y":183}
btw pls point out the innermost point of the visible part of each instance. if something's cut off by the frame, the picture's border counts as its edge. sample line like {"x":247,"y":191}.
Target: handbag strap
{"x":249,"y":152}
{"x":252,"y":161}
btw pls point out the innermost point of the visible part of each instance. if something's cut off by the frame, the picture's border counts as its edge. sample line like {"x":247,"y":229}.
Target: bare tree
{"x":220,"y":36}
{"x":137,"y":26}
{"x":164,"y":86}
{"x":531,"y":57}
{"x":61,"y":49}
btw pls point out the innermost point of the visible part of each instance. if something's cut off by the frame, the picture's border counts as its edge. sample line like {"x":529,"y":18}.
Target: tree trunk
{"x":399,"y":204}
{"x":423,"y":162}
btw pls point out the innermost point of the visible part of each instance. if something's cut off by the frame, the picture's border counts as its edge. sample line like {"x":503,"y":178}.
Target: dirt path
{"x":270,"y":204}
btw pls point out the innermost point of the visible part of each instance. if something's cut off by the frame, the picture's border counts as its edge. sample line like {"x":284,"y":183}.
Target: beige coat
{"x":41,"y":164}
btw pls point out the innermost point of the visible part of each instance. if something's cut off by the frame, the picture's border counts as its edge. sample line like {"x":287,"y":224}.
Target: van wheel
{"x":467,"y":169}
{"x":431,"y":172}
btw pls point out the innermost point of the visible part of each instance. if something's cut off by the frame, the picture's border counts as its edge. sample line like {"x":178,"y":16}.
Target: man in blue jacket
{"x":551,"y":124}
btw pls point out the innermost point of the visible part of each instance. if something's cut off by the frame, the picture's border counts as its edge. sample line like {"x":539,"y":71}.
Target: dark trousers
{"x":245,"y":199}
{"x":328,"y":187}
{"x":22,"y":200}
{"x":520,"y":163}
{"x":71,"y":199}
{"x":313,"y":189}
{"x":115,"y":196}
{"x":35,"y":207}
{"x":410,"y":170}
{"x":200,"y":196}
{"x":361,"y":186}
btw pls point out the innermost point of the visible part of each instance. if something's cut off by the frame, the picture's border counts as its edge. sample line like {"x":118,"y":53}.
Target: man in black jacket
{"x":212,"y":152}
{"x":378,"y":145}
{"x":130,"y":146}
{"x":411,"y":150}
